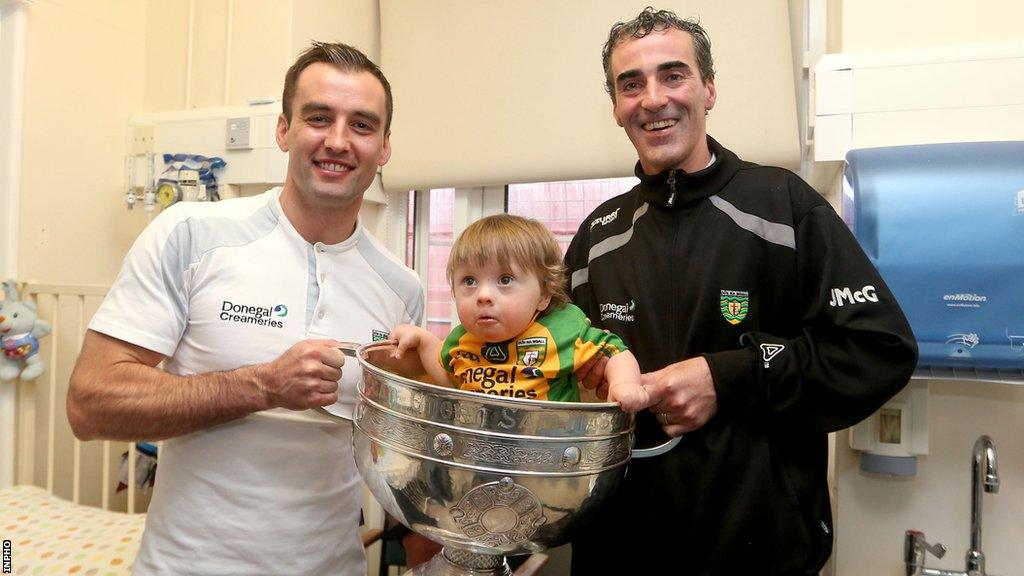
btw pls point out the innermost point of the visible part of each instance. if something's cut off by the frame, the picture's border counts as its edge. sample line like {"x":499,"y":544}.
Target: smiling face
{"x":661,"y":102}
{"x":335,"y":140}
{"x":495,"y":302}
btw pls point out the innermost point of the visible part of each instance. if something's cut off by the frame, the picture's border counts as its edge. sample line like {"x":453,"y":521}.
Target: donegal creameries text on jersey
{"x":539,"y":363}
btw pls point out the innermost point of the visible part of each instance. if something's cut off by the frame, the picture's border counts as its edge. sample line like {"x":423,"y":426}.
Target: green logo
{"x":735,"y":305}
{"x":280,"y":310}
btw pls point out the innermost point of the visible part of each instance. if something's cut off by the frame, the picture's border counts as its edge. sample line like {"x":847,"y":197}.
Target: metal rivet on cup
{"x":443,"y":444}
{"x":570,"y":457}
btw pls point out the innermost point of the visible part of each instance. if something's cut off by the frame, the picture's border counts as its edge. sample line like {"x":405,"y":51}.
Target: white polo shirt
{"x":216,"y":286}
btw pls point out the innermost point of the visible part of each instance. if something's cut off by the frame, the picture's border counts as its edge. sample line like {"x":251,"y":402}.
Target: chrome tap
{"x":984,"y":473}
{"x":914,"y":548}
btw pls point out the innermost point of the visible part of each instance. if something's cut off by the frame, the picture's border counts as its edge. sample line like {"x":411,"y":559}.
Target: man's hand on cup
{"x":305,"y":376}
{"x":684,"y":393}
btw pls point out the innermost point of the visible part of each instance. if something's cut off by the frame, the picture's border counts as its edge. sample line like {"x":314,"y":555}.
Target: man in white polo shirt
{"x":245,"y":300}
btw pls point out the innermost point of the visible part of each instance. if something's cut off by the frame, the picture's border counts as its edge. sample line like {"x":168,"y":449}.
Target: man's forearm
{"x":135,"y":402}
{"x":116,"y":391}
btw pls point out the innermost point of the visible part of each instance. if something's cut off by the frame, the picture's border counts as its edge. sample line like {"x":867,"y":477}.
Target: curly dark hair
{"x":344,"y":58}
{"x":651,"y":20}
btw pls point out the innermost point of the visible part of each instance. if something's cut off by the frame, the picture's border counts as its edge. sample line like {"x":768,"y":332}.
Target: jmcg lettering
{"x":845,"y":295}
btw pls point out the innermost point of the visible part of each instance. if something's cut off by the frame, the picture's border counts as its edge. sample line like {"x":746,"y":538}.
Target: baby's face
{"x":495,"y":303}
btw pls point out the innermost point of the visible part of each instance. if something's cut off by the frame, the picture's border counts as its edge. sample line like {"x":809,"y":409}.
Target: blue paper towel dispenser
{"x":944,"y":225}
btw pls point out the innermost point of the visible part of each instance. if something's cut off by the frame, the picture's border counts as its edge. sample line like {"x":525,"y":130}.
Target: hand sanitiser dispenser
{"x":944,"y":225}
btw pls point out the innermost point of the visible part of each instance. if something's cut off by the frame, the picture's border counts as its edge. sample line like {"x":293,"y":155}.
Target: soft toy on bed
{"x":20,"y":331}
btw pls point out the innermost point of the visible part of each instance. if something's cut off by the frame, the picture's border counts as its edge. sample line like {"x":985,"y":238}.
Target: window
{"x":562,"y":206}
{"x":436,"y":217}
{"x":439,"y":245}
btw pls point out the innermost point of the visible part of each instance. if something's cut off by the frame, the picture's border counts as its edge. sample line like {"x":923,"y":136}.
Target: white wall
{"x":874,"y":511}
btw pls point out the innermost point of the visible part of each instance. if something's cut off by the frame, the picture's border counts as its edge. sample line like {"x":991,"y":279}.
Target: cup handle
{"x":657,"y":450}
{"x":349,"y":349}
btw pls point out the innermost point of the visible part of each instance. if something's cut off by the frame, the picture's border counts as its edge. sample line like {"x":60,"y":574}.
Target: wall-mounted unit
{"x":207,"y":131}
{"x":944,"y":224}
{"x":964,"y":93}
{"x":244,"y":136}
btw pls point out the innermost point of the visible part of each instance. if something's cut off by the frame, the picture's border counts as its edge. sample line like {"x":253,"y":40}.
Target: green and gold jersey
{"x":537,"y":364}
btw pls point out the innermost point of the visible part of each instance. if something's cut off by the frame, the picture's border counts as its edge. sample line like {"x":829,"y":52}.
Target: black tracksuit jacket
{"x":816,"y":343}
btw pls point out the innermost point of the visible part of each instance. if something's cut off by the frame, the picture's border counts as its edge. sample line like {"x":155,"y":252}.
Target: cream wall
{"x":873,"y":511}
{"x":83,"y":78}
{"x":236,"y":50}
{"x":886,"y":25}
{"x":92,"y":64}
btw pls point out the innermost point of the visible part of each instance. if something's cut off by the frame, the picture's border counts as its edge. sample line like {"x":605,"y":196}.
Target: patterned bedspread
{"x":50,"y":535}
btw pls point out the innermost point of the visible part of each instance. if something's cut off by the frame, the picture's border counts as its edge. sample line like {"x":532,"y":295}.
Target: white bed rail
{"x":46,"y":452}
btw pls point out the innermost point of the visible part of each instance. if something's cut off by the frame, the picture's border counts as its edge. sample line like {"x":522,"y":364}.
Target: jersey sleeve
{"x":449,"y":344}
{"x":148,"y":304}
{"x":850,"y":356}
{"x":588,"y":341}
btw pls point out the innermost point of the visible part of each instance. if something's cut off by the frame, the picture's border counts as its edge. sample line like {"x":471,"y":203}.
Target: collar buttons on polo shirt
{"x":320,"y":315}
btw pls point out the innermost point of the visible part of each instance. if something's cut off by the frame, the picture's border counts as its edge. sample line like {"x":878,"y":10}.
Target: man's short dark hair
{"x":651,"y":20}
{"x":344,"y":58}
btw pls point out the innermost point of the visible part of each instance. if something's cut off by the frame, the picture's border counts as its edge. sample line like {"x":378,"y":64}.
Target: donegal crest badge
{"x":532,"y":351}
{"x":735,"y":305}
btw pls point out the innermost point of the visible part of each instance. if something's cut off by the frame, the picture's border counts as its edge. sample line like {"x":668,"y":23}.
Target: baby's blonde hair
{"x":508,"y":240}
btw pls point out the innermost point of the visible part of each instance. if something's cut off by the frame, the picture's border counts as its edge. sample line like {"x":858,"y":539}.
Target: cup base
{"x":455,"y":562}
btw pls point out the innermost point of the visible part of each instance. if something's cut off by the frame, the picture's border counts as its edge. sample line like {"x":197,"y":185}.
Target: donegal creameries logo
{"x":272,"y":316}
{"x":620,"y":312}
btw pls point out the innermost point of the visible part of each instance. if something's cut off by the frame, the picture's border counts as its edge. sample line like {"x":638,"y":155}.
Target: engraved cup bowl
{"x":486,"y":476}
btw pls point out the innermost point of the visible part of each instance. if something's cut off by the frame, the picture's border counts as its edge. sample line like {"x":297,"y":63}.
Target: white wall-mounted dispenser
{"x":891,"y":439}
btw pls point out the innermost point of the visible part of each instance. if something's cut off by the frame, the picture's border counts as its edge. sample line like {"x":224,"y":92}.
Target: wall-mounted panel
{"x":966,"y":93}
{"x":496,"y":92}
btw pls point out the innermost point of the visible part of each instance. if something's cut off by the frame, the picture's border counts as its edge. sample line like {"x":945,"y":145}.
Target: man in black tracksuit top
{"x":759,"y":324}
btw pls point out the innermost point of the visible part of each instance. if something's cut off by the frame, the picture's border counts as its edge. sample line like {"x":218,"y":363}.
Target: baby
{"x":519,"y":336}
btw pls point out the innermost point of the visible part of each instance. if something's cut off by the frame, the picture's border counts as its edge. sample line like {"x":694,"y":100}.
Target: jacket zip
{"x":671,"y":187}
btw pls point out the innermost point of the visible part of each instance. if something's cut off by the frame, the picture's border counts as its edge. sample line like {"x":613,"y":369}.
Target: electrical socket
{"x":239,"y":134}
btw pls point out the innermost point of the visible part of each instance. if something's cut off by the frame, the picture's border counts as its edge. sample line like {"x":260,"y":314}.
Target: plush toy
{"x":20,"y":331}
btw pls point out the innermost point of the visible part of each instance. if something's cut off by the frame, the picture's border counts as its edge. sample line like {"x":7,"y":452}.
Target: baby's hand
{"x":407,"y":336}
{"x":630,"y":394}
{"x":625,"y":383}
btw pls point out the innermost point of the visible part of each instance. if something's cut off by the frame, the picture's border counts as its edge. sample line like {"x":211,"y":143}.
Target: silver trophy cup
{"x":485,"y":476}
